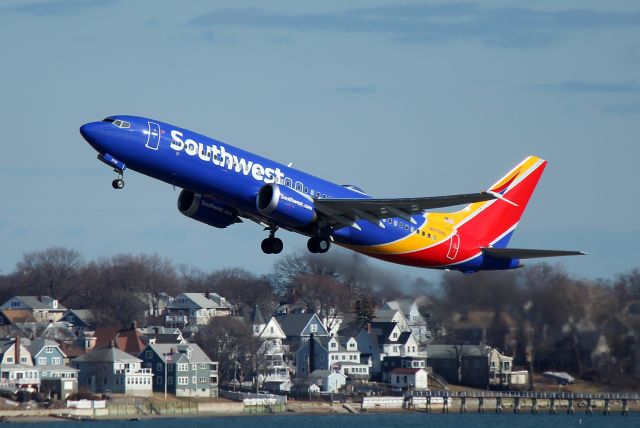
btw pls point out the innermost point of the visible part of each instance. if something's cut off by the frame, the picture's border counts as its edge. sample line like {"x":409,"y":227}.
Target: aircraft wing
{"x":523,"y":253}
{"x":345,"y":212}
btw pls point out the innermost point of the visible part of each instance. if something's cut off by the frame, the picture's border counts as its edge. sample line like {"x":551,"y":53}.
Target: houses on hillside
{"x":61,"y":350}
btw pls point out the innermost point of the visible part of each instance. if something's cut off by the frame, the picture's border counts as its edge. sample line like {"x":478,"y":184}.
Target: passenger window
{"x":117,"y":123}
{"x":406,"y":227}
{"x":124,"y":124}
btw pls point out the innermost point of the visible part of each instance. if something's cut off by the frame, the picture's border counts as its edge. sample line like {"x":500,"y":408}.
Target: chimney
{"x":312,"y":350}
{"x":156,"y":330}
{"x":16,"y":350}
{"x":112,"y":344}
{"x":134,"y":325}
{"x":206,"y":294}
{"x":369,"y":327}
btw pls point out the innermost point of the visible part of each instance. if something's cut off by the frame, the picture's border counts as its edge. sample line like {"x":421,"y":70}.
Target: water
{"x":394,"y":420}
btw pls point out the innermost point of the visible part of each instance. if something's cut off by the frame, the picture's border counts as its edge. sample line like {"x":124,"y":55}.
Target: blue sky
{"x":402,"y":98}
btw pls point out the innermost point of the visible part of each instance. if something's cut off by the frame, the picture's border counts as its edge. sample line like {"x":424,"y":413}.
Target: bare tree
{"x":53,"y":272}
{"x":230,"y":342}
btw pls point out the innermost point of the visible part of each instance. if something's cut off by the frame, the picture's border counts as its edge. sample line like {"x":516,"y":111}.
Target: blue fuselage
{"x":209,"y":167}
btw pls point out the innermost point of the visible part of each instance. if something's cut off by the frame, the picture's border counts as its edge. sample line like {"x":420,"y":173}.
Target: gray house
{"x":188,"y":371}
{"x":56,"y":378}
{"x":479,"y":366}
{"x":112,"y":370}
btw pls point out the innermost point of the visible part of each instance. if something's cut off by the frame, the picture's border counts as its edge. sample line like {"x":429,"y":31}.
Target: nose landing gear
{"x":118,"y":183}
{"x":272,"y":245}
{"x":118,"y":167}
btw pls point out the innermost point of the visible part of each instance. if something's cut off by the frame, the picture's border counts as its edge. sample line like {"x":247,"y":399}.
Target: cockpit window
{"x":108,"y":119}
{"x":121,"y":124}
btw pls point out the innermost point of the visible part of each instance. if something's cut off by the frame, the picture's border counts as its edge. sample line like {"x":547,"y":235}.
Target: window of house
{"x":193,"y":379}
{"x":183,"y":380}
{"x":183,"y":367}
{"x":314,"y":328}
{"x":149,"y":355}
{"x":48,"y":349}
{"x":55,"y":361}
{"x":169,"y":381}
{"x":202,"y":380}
{"x":158,"y":380}
{"x":10,"y":360}
{"x":159,"y":367}
{"x":334,"y":345}
{"x":42,"y":361}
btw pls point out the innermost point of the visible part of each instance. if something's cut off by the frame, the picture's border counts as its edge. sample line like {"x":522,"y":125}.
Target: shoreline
{"x":293,"y":408}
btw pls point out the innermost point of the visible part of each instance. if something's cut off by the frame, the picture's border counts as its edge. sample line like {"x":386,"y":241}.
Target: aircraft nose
{"x":89,"y":131}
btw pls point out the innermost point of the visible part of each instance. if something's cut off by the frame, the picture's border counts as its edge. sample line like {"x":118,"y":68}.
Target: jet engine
{"x":207,"y":211}
{"x":285,"y":205}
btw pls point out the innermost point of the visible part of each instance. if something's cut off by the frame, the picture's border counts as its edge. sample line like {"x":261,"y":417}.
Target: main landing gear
{"x":318,"y":245}
{"x":272,"y":245}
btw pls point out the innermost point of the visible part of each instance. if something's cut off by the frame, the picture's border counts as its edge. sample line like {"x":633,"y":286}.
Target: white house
{"x":195,"y":309}
{"x":328,"y":381}
{"x":409,"y":378}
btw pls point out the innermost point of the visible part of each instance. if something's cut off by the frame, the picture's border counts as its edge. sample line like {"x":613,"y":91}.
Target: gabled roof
{"x":177,"y":351}
{"x":214,"y":301}
{"x":87,"y":316}
{"x":294,"y":324}
{"x":106,"y":355}
{"x":128,"y":339}
{"x":40,"y":302}
{"x":277,"y":330}
{"x":341,"y":340}
{"x":36,"y":346}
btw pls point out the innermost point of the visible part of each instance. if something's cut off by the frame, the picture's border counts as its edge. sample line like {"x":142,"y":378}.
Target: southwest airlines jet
{"x":223,"y":184}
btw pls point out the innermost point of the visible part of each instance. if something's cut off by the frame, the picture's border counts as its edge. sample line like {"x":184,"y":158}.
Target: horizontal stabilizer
{"x":524,"y":253}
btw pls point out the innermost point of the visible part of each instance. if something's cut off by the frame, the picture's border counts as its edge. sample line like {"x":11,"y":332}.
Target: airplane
{"x":222,"y":185}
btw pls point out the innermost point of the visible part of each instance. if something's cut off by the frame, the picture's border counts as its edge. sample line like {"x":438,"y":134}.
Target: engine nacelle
{"x":206,"y":211}
{"x":286,"y":205}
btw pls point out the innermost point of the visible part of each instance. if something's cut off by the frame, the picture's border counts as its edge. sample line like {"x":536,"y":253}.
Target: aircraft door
{"x":454,"y":246}
{"x":153,"y":137}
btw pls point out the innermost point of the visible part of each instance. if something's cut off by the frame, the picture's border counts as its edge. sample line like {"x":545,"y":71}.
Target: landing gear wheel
{"x":266,"y":246}
{"x":318,"y":245}
{"x":118,"y":183}
{"x":276,"y":245}
{"x":272,"y":246}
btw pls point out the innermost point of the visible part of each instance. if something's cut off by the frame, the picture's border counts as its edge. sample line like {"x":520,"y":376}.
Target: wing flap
{"x":525,"y":253}
{"x":337,"y":210}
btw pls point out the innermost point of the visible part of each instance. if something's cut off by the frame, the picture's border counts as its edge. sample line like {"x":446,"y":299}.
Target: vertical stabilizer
{"x":492,"y":223}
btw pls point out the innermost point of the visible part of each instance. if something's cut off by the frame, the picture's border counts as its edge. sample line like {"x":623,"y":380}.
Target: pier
{"x":521,"y":401}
